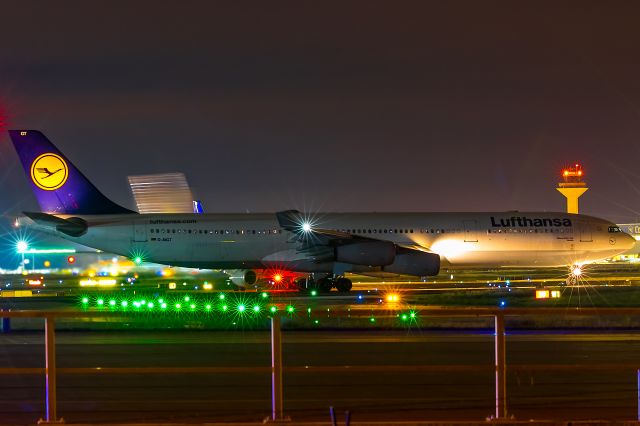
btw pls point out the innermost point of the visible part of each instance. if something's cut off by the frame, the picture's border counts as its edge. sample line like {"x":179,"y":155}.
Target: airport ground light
{"x":248,"y":309}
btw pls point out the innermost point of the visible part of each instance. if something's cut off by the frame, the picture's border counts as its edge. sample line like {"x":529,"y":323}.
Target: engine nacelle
{"x":369,"y":253}
{"x":415,"y":263}
{"x":243,"y":277}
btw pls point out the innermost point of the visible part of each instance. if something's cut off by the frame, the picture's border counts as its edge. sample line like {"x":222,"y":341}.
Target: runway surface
{"x":382,"y":394}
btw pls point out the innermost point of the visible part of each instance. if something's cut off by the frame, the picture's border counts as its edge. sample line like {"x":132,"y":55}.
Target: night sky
{"x":333,"y":106}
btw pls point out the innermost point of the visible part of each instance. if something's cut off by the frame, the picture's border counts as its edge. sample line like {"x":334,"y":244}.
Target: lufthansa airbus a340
{"x":326,"y":246}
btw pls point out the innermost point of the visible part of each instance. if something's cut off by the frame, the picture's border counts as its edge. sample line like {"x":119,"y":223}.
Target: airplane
{"x":322,"y":247}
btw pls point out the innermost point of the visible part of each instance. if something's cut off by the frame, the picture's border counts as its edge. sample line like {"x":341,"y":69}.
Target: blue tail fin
{"x":59,"y":186}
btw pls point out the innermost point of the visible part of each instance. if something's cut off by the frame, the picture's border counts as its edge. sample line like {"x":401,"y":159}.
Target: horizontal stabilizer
{"x":73,"y":226}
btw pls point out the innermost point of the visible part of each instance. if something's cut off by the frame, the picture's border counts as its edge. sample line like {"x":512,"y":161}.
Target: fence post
{"x":6,"y":324}
{"x":501,"y":367}
{"x":276,"y":369}
{"x":50,"y":364}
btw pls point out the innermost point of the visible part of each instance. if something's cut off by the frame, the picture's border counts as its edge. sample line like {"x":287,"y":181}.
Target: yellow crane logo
{"x":49,"y":171}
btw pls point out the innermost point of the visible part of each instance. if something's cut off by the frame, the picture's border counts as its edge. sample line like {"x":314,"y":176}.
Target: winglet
{"x":289,"y":220}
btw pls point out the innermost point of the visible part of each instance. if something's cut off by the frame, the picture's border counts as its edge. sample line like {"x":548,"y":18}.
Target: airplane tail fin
{"x":58,"y":185}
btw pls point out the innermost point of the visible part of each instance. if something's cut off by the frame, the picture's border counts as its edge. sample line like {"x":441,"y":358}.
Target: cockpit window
{"x":613,"y":229}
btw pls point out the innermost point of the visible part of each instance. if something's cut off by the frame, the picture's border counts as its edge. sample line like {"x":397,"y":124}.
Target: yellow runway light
{"x":542,"y":294}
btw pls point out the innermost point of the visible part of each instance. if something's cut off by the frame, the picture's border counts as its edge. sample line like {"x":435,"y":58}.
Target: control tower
{"x":572,"y":186}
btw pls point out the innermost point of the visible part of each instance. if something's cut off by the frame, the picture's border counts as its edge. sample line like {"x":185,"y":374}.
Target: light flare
{"x":450,"y":248}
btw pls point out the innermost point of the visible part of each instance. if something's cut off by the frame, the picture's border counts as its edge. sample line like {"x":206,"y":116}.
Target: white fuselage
{"x":463,"y":240}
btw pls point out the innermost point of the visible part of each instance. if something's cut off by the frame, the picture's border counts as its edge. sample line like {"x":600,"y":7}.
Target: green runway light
{"x":124,"y":303}
{"x":112,"y":302}
{"x":308,"y":310}
{"x":85,"y":300}
{"x":187,"y":298}
{"x":317,"y":322}
{"x":221,"y":296}
{"x":160,"y":300}
{"x":273,"y":309}
{"x":136,"y":304}
{"x":404,"y":317}
{"x":372,"y":319}
{"x":150,"y":305}
{"x":178,"y":306}
{"x":241,"y":308}
{"x":264,"y":295}
{"x":163,"y":305}
{"x":412,"y":314}
{"x":256,"y":308}
{"x":137,"y":260}
{"x":290,"y":309}
{"x":224,"y":308}
{"x":100,"y":302}
{"x":192,"y":306}
{"x":208,"y":307}
{"x":314,"y":293}
{"x":143,"y":302}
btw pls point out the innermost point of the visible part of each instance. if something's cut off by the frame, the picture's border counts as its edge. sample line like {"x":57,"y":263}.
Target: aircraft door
{"x":586,"y":234}
{"x":139,"y":231}
{"x":470,"y":231}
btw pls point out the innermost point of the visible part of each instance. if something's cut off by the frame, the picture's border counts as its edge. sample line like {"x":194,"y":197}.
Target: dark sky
{"x":335,"y":106}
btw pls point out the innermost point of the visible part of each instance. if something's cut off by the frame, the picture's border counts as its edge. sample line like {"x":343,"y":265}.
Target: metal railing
{"x":277,"y":369}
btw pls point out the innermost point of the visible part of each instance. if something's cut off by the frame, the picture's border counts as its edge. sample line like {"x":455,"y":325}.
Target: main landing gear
{"x":324,"y":284}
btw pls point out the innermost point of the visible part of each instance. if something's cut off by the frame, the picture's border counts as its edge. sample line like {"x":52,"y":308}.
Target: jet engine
{"x":370,"y":253}
{"x":415,"y":263}
{"x":243,"y":277}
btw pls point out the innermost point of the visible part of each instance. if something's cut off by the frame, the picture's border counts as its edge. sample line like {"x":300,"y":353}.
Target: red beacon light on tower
{"x":573,"y":174}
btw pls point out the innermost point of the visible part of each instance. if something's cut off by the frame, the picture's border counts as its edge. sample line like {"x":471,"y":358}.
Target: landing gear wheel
{"x":301,"y":284}
{"x":343,"y":285}
{"x":325,"y":285}
{"x":306,"y":284}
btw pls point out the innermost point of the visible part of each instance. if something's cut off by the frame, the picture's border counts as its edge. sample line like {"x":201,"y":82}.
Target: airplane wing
{"x":293,"y":221}
{"x":326,"y":245}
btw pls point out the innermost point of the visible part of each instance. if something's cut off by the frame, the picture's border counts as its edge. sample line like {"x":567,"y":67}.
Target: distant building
{"x":162,"y":193}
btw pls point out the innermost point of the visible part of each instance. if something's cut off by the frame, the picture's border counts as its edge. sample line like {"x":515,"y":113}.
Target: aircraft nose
{"x":627,"y":241}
